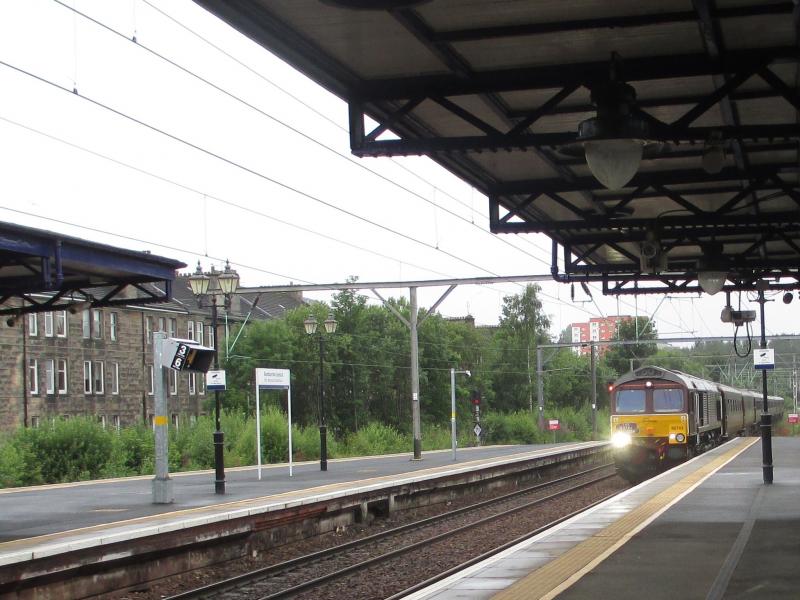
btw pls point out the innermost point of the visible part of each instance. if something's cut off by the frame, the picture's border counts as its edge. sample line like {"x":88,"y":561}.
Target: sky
{"x":197,"y":144}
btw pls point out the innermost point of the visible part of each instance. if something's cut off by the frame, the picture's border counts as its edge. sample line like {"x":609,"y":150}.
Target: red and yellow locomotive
{"x":660,"y":417}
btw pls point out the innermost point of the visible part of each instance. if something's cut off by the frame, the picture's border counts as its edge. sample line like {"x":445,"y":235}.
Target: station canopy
{"x":686,"y":110}
{"x":44,"y":271}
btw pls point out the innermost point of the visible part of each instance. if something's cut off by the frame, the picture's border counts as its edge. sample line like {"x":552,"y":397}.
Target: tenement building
{"x":99,"y":362}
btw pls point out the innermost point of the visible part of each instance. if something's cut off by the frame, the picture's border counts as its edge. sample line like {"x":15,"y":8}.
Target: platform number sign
{"x":181,"y":353}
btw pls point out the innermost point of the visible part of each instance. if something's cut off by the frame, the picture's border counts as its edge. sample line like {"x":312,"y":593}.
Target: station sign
{"x":764,"y":358}
{"x":794,"y":418}
{"x":553,"y":425}
{"x":272,"y":379}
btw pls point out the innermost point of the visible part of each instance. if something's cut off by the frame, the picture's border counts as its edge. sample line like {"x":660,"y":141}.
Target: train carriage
{"x":660,"y":417}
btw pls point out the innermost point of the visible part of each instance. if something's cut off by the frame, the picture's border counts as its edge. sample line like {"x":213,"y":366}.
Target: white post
{"x":453,"y":409}
{"x":258,"y":430}
{"x":289,"y":406}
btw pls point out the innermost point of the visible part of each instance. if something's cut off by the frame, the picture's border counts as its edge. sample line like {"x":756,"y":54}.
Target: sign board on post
{"x":215,"y":380}
{"x":273,"y":379}
{"x":553,"y":425}
{"x":764,"y":358}
{"x":794,"y":418}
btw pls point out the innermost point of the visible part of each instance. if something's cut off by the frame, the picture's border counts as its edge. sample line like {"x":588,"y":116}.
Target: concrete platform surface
{"x":707,"y":530}
{"x":75,"y":513}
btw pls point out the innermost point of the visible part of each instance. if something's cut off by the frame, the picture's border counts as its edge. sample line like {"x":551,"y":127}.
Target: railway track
{"x":443,"y":539}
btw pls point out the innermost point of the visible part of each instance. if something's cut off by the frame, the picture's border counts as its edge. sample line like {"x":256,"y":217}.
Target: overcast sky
{"x":254,"y":168}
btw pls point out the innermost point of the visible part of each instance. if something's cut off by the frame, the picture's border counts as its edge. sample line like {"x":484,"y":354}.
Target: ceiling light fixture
{"x":714,"y":153}
{"x":711,"y":282}
{"x":615,"y":139}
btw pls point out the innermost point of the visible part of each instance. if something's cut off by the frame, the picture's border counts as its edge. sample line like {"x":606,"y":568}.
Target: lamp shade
{"x":330,"y":324}
{"x":228,"y":280}
{"x":614,"y":162}
{"x":199,"y":282}
{"x":310,"y":324}
{"x":711,"y":282}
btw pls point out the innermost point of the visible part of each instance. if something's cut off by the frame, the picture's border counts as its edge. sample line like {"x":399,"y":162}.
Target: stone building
{"x":99,"y":361}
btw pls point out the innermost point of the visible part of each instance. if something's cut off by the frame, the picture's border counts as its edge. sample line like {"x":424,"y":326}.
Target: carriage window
{"x":630,"y":401}
{"x":668,"y":400}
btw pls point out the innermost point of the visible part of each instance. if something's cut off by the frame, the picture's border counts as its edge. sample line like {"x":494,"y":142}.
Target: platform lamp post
{"x":311,"y":328}
{"x":214,"y":285}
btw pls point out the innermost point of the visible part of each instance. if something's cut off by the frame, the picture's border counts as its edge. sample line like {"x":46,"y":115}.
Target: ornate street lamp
{"x":216,"y":284}
{"x":311,"y":328}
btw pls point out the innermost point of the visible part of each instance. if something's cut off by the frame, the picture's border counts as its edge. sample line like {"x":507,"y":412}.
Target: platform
{"x":709,"y":529}
{"x":75,"y":537}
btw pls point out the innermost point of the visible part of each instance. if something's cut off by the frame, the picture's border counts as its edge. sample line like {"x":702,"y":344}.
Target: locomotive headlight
{"x":620,"y":439}
{"x":680,"y":438}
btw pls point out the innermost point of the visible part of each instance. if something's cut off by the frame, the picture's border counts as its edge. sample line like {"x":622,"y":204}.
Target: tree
{"x":622,"y":358}
{"x":523,"y":326}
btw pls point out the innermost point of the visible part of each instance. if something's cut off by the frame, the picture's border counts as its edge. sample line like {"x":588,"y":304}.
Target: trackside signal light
{"x":610,"y":386}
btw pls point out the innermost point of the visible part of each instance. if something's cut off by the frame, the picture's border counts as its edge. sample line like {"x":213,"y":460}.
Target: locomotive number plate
{"x":628,"y":427}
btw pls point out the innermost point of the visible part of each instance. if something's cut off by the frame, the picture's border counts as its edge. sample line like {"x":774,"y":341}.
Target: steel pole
{"x":323,"y":430}
{"x":540,"y":386}
{"x":453,"y":410}
{"x":766,"y":418}
{"x":415,"y":412}
{"x":219,"y":437}
{"x":594,"y":391}
{"x":162,"y":484}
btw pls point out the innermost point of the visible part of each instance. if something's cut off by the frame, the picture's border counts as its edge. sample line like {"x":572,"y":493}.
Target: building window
{"x":61,"y":376}
{"x":192,"y":384}
{"x":210,"y":336}
{"x":151,"y":418}
{"x":33,"y":324}
{"x":34,"y":421}
{"x":199,"y":329}
{"x":99,"y":372}
{"x":162,"y":324}
{"x":115,"y":379}
{"x":148,"y":329}
{"x":173,"y":328}
{"x":97,"y":324}
{"x":112,"y":326}
{"x":175,"y":420}
{"x":48,"y":324}
{"x":33,"y":376}
{"x":190,"y":331}
{"x":151,"y":380}
{"x":201,"y":384}
{"x":115,"y":421}
{"x":49,"y":376}
{"x":87,"y":377}
{"x":102,"y":419}
{"x":86,"y":324}
{"x":173,"y":382}
{"x":61,"y":324}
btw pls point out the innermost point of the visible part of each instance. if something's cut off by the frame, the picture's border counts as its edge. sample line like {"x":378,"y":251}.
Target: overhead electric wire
{"x":242,"y":167}
{"x":207,"y":195}
{"x":307,"y":137}
{"x":314,"y":110}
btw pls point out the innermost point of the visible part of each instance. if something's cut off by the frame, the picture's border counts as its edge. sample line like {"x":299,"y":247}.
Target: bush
{"x":132,"y":452}
{"x":374,"y":439}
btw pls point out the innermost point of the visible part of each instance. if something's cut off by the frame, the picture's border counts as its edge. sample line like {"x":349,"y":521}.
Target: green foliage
{"x":376,"y":438}
{"x":620,"y":358}
{"x":132,"y":452}
{"x":71,"y":450}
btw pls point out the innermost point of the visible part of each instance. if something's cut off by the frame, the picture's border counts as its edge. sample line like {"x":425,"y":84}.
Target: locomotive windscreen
{"x":667,"y":400}
{"x":630,"y":401}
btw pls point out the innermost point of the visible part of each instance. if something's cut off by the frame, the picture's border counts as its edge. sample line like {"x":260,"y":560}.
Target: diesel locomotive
{"x":660,"y":417}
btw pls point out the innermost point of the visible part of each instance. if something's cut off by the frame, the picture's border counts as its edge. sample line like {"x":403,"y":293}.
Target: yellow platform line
{"x":559,"y":574}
